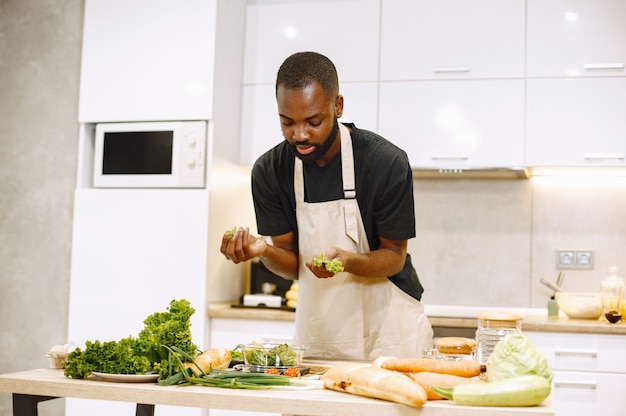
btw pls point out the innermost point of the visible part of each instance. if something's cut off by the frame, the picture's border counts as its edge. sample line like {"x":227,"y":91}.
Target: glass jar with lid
{"x":492,"y":327}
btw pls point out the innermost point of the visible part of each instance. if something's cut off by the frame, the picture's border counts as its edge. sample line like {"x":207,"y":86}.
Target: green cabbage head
{"x":516,"y":355}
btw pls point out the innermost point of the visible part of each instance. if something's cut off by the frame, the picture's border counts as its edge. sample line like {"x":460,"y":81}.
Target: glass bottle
{"x":612,"y":296}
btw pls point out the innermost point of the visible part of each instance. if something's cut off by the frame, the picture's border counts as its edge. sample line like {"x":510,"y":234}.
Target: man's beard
{"x":320,"y":149}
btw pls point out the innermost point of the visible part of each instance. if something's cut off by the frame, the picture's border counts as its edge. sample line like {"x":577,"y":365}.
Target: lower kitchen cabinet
{"x":226,"y":332}
{"x":589,"y":372}
{"x":229,"y":333}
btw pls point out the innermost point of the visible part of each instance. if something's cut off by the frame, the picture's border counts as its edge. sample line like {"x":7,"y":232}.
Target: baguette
{"x":218,"y":358}
{"x":463,"y":368}
{"x":427,"y":380}
{"x":370,"y":381}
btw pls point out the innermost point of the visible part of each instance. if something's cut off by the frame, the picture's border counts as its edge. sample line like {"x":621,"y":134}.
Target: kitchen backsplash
{"x":488,"y":243}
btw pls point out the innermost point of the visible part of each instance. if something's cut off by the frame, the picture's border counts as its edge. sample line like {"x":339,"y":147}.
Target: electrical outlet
{"x":584,"y":259}
{"x":565,"y":259}
{"x":574,"y":259}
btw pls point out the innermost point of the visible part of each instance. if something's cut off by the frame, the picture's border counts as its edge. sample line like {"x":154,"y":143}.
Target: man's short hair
{"x":305,"y":68}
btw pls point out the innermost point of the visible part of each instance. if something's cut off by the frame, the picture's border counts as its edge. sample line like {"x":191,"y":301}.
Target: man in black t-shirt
{"x":334,"y":191}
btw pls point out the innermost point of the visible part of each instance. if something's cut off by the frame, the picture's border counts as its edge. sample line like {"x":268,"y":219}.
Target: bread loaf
{"x":218,"y":358}
{"x":371,"y":381}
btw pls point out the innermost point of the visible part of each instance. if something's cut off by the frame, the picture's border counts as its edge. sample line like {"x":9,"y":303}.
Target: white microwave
{"x":163,"y":154}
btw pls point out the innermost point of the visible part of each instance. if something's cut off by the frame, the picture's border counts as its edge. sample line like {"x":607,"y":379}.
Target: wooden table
{"x":31,"y":387}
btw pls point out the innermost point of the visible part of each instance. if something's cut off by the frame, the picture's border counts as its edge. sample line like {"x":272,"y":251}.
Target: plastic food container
{"x":57,"y":359}
{"x":57,"y":356}
{"x":260,"y":357}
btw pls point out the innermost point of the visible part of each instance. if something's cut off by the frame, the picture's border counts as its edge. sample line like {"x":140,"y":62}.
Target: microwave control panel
{"x":193,"y":153}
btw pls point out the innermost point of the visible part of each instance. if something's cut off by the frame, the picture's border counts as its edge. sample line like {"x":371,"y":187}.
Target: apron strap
{"x":349,"y":191}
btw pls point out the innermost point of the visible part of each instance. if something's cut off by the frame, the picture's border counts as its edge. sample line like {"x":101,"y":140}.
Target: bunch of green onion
{"x":239,"y":380}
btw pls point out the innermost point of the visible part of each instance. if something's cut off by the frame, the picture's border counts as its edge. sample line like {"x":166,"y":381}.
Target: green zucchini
{"x":521,"y":391}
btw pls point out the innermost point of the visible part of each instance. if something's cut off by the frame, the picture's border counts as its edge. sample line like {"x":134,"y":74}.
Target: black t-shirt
{"x":384,"y":192}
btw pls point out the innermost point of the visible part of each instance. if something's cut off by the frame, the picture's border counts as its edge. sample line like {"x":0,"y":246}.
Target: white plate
{"x":127,"y":378}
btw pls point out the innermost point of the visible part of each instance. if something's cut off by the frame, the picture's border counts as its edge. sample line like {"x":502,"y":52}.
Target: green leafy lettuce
{"x":333,"y":266}
{"x":115,"y":357}
{"x":280,"y":355}
{"x":149,"y":351}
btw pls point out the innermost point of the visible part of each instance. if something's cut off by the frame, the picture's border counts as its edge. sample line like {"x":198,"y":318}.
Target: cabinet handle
{"x":579,"y":353}
{"x":615,"y":65}
{"x":603,"y":156}
{"x":576,"y":385}
{"x":450,"y":157}
{"x":451,"y":69}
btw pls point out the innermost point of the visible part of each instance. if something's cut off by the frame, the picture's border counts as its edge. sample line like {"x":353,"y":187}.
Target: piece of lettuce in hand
{"x":333,"y":266}
{"x":231,"y":232}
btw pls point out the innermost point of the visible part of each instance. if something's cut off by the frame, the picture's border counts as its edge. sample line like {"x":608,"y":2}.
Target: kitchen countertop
{"x":534,"y":319}
{"x":30,"y":387}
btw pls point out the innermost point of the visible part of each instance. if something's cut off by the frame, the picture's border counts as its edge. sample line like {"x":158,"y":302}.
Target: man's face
{"x":309,"y":122}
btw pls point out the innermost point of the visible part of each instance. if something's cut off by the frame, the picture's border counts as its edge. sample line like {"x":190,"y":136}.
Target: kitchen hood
{"x":471,"y":173}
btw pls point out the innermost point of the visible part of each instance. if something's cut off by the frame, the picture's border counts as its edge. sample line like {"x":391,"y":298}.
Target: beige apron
{"x":347,"y":316}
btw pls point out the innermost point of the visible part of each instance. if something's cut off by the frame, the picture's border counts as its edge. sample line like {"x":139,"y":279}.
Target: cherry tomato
{"x":271,"y":371}
{"x":292,"y":372}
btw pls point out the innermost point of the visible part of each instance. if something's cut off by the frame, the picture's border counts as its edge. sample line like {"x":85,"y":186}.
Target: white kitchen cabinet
{"x":347,"y":32}
{"x":589,"y":372}
{"x":576,"y":38}
{"x":147,"y":60}
{"x":426,"y":39}
{"x":576,"y":122}
{"x":133,"y":251}
{"x":260,"y":125}
{"x":455,"y":124}
{"x":226,"y":332}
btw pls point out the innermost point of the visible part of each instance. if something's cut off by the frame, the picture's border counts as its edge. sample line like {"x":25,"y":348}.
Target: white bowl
{"x":580,"y":305}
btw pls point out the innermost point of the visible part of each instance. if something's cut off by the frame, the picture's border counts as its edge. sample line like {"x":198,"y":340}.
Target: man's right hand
{"x":241,"y":246}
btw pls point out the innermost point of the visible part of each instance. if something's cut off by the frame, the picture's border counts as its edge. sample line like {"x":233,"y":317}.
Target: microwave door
{"x":138,"y":153}
{"x":137,"y":159}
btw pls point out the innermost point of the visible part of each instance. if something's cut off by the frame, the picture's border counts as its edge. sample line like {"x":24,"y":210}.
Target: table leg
{"x":26,"y":404}
{"x":145,"y":410}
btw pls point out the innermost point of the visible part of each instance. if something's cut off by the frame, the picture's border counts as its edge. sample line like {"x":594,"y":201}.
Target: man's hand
{"x":239,"y":245}
{"x":319,"y":269}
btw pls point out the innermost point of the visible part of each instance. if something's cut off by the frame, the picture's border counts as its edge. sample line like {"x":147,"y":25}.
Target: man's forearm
{"x":377,"y":263}
{"x":281,"y":262}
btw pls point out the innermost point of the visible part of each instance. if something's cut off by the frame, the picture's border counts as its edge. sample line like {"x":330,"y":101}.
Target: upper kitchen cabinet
{"x":569,"y":38}
{"x":576,"y":121}
{"x":147,"y":60}
{"x":443,"y":39}
{"x":455,"y":124}
{"x":345,"y":31}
